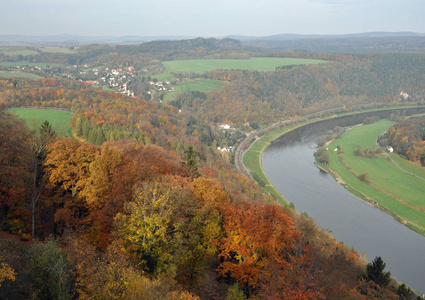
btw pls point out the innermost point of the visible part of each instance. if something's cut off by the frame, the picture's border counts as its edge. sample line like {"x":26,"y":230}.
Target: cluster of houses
{"x":161,"y":86}
{"x":34,"y":68}
{"x":113,"y":78}
{"x":404,"y":95}
{"x":225,"y":149}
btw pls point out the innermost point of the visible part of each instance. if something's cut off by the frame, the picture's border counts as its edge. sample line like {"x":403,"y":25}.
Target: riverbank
{"x":250,"y":150}
{"x":387,"y":187}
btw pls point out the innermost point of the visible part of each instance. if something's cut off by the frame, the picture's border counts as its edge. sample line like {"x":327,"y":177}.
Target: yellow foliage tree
{"x":6,"y":272}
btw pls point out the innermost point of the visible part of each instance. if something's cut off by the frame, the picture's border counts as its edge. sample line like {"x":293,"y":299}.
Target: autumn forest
{"x":140,"y":204}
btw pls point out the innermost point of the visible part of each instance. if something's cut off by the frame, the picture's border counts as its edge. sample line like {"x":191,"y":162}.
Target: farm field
{"x":8,"y":74}
{"x":203,"y":85}
{"x":15,"y":52}
{"x":60,"y":120}
{"x":57,"y":50}
{"x":163,"y":76}
{"x":26,"y":63}
{"x":391,"y":189}
{"x":259,"y":63}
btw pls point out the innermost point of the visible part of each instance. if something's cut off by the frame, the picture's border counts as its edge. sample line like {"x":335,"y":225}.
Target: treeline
{"x":407,"y":139}
{"x":268,"y":97}
{"x":143,"y":55}
{"x":389,"y":44}
{"x":129,"y":221}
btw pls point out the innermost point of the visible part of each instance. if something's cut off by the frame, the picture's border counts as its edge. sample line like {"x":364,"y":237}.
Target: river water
{"x":289,"y":164}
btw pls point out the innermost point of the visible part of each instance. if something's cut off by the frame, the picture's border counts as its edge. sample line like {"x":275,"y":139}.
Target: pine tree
{"x":375,"y":272}
{"x":191,"y":158}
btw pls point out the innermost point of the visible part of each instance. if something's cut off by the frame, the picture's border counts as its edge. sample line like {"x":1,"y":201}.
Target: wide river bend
{"x":289,"y":164}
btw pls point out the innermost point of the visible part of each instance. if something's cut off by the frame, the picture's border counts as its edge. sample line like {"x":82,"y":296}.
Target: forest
{"x":407,"y":139}
{"x":142,"y":205}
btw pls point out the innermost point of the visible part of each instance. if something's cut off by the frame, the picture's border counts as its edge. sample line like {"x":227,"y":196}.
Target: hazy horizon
{"x":218,"y":18}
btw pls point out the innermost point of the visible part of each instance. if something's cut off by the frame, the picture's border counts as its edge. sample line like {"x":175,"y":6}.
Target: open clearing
{"x":163,"y":76}
{"x":259,"y":63}
{"x":6,"y":74}
{"x":203,"y":85}
{"x":60,"y":120}
{"x":391,"y":189}
{"x":29,"y":64}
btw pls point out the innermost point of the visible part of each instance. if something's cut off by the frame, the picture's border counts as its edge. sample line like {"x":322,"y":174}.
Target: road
{"x":246,"y":143}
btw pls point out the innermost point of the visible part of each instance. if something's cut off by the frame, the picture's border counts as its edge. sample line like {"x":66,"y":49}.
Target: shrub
{"x":364,"y":177}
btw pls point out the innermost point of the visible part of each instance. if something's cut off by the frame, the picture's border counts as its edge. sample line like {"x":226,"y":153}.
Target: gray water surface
{"x":289,"y":164}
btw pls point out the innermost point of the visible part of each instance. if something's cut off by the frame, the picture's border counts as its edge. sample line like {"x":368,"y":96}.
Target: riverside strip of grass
{"x":252,"y":157}
{"x":60,"y":120}
{"x":391,"y":189}
{"x":258,"y":63}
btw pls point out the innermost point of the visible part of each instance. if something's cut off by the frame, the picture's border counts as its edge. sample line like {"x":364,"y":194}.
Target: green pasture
{"x":393,"y":190}
{"x":203,"y":85}
{"x":60,"y":120}
{"x":163,"y":76}
{"x":29,"y":64}
{"x":16,"y":52}
{"x":258,"y":63}
{"x":64,"y":50}
{"x":9,"y":74}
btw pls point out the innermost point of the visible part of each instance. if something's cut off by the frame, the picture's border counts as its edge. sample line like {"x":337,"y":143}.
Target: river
{"x":289,"y":164}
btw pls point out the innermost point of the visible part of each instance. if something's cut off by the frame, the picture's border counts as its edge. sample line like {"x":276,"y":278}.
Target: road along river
{"x":289,"y":164}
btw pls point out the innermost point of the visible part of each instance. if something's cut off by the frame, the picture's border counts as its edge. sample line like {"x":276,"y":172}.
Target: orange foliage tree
{"x":255,"y":236}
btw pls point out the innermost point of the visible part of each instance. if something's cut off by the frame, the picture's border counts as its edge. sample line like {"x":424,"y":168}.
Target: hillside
{"x":144,"y":201}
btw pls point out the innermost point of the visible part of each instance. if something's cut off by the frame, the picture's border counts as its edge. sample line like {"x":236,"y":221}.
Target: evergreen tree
{"x":192,"y":157}
{"x":375,"y":272}
{"x":78,"y":127}
{"x":100,"y":137}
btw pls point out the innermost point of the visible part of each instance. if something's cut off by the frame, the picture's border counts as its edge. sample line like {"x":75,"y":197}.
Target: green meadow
{"x":163,"y":76}
{"x":29,"y":64}
{"x":63,"y":50}
{"x":203,"y":85}
{"x":16,"y":52}
{"x":389,"y":188}
{"x":258,"y":63}
{"x":10,"y":74}
{"x":60,"y":120}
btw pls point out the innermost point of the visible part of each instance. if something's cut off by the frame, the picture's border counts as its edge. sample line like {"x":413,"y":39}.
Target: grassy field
{"x":60,"y":120}
{"x":64,"y":50}
{"x":9,"y":74}
{"x":203,"y":85}
{"x":163,"y":76}
{"x":260,"y":64}
{"x":391,"y":189}
{"x":16,"y":52}
{"x":26,"y":63}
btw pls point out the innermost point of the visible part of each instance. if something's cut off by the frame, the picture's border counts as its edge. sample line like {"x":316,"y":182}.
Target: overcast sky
{"x":208,"y":18}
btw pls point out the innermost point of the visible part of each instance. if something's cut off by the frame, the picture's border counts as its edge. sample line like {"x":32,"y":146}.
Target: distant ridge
{"x":77,"y":39}
{"x":293,"y":37}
